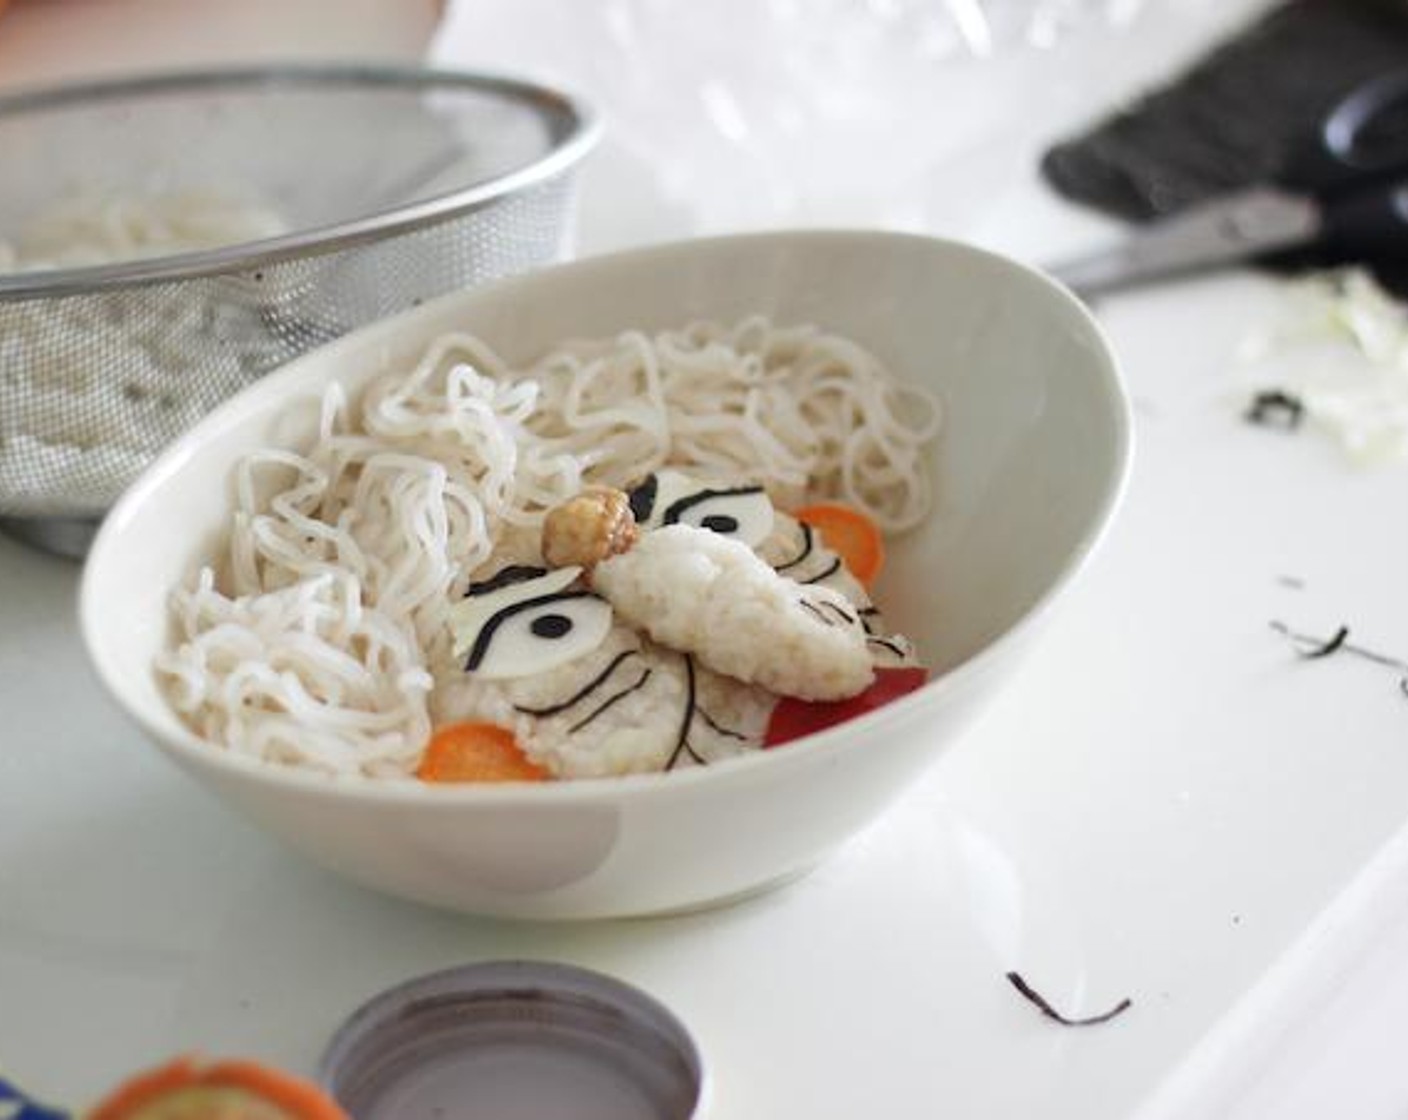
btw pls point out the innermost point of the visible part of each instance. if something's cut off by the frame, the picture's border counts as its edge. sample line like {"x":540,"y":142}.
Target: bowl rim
{"x":574,"y":129}
{"x":187,"y":747}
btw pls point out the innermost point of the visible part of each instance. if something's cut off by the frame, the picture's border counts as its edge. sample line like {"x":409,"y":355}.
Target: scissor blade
{"x":1231,"y":229}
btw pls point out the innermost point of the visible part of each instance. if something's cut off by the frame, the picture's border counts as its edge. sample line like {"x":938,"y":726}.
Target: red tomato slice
{"x":793,"y":718}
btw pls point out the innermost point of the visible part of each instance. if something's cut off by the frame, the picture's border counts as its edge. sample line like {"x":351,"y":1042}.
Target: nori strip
{"x":727,"y":732}
{"x":893,"y":647}
{"x":1275,"y":408}
{"x":1338,"y":642}
{"x":682,"y":745}
{"x":1050,"y":1012}
{"x":1324,"y":650}
{"x":807,"y":544}
{"x":834,"y":567}
{"x":610,"y":700}
{"x":583,"y":692}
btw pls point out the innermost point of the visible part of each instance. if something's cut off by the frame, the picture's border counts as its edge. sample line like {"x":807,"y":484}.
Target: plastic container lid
{"x":514,"y":1040}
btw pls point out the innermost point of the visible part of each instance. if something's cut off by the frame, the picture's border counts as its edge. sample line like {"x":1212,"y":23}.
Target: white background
{"x":1163,"y":805}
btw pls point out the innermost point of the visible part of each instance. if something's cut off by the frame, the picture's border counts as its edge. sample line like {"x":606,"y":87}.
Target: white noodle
{"x":317,"y":645}
{"x":89,"y":414}
{"x":91,"y":229}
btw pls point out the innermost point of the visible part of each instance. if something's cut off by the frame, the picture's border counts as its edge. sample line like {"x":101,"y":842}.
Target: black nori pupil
{"x":551,"y":625}
{"x":720,"y":523}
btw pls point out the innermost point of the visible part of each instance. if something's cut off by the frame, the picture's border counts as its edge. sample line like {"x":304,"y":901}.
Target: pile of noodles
{"x":97,"y":385}
{"x":93,"y":229}
{"x":318,"y":641}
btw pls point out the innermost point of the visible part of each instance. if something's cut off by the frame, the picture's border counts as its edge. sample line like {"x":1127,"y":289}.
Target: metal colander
{"x":399,"y":185}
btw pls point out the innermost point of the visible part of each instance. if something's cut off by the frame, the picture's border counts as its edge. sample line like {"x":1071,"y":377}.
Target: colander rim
{"x":575,"y":128}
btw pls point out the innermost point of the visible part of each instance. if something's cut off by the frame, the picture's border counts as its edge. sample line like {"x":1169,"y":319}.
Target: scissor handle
{"x":1370,"y":223}
{"x":1365,"y":200}
{"x":1363,"y":140}
{"x":1368,"y":130}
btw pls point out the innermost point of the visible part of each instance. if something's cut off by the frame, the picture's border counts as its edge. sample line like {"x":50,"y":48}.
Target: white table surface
{"x":1165,"y":804}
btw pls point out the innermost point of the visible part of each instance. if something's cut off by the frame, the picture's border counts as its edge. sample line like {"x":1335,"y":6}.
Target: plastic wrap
{"x":741,"y":114}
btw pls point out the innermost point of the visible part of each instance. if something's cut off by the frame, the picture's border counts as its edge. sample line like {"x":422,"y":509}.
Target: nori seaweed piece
{"x":1337,"y":643}
{"x":1050,"y":1012}
{"x":1275,"y":408}
{"x":1324,"y":650}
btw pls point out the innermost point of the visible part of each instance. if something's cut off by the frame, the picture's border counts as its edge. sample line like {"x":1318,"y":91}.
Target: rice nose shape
{"x":700,"y":592}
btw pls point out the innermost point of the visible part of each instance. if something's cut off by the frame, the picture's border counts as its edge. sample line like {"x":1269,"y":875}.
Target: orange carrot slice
{"x":849,"y":534}
{"x":477,"y":752}
{"x":186,"y":1089}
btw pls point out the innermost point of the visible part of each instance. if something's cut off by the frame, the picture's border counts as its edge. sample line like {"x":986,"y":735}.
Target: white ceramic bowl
{"x":1027,"y":473}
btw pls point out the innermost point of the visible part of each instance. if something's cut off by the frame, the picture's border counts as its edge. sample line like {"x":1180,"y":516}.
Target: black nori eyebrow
{"x":503,"y":614}
{"x":807,"y":605}
{"x":582,"y":693}
{"x":1034,"y":997}
{"x":642,"y":499}
{"x":831,"y":571}
{"x":586,"y":719}
{"x":893,"y":647}
{"x":676,"y":509}
{"x":807,"y":544}
{"x":505,"y":577}
{"x":1275,"y":408}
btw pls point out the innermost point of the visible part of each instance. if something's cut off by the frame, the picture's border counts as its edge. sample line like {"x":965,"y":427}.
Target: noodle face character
{"x":583,"y":694}
{"x":703,"y":593}
{"x":527,"y":620}
{"x":693,"y":582}
{"x":689,"y":621}
{"x":741,"y":513}
{"x":325,"y":643}
{"x":792,"y":548}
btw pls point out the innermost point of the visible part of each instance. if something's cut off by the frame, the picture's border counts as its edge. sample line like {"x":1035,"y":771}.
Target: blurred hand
{"x":43,"y":41}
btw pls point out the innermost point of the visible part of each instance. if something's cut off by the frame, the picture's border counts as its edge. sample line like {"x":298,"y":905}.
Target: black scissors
{"x":1346,"y":192}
